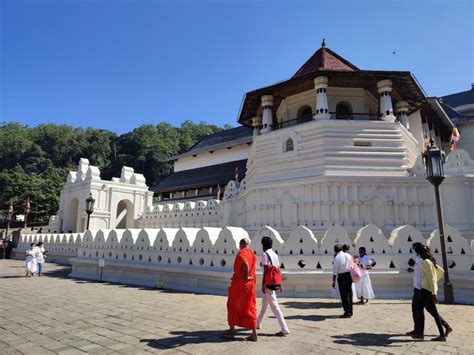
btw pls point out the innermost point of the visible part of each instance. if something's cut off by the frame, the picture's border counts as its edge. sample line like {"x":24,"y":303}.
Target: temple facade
{"x":332,"y":145}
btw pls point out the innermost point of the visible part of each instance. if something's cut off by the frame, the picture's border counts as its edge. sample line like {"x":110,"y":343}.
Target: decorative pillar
{"x":322,"y":107}
{"x":267,"y":117}
{"x":401,"y":108}
{"x":386,"y":109}
{"x":256,"y":123}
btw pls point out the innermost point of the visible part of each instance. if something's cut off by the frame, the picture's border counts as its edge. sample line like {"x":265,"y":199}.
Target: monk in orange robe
{"x":242,"y":298}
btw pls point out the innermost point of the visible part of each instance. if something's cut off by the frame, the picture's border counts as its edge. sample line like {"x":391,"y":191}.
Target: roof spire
{"x":323,"y":44}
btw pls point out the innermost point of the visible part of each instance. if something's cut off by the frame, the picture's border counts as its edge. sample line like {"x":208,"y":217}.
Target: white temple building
{"x":333,"y":154}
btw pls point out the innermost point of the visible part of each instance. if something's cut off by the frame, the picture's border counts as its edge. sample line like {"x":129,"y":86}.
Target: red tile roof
{"x":325,"y":59}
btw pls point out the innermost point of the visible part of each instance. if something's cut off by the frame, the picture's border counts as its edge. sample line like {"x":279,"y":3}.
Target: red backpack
{"x":272,"y":275}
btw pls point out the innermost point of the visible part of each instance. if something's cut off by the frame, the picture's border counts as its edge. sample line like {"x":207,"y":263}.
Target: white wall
{"x":220,"y":156}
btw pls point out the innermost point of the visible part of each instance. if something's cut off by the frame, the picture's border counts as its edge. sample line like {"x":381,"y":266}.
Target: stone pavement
{"x":57,"y":315}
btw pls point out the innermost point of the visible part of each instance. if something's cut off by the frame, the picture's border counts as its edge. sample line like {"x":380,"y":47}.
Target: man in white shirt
{"x":269,"y":257}
{"x":340,"y":271}
{"x":40,"y":257}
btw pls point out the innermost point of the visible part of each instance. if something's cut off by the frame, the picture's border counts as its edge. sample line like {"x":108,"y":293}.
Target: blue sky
{"x":119,"y":64}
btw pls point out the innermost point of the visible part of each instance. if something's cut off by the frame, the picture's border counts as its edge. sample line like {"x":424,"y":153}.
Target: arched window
{"x":344,"y":111}
{"x":305,"y":114}
{"x":289,"y":146}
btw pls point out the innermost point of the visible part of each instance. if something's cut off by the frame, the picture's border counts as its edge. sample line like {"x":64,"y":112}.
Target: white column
{"x":267,"y":117}
{"x":256,"y":122}
{"x":386,"y":109}
{"x":401,"y":108}
{"x":322,"y":107}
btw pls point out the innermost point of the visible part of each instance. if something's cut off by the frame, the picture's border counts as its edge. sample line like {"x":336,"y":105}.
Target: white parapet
{"x":201,"y":259}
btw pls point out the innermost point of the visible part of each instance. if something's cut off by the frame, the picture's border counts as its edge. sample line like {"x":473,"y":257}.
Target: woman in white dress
{"x":364,"y":286}
{"x":31,"y":260}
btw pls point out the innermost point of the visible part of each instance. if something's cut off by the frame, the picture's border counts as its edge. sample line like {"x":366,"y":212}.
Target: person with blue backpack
{"x":271,"y":282}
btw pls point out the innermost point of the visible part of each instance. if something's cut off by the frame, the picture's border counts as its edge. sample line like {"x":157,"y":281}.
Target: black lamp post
{"x":27,"y":211}
{"x":435,"y":175}
{"x":89,"y":208}
{"x":9,"y":217}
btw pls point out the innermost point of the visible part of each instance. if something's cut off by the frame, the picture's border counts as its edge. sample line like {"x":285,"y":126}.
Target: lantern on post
{"x":27,"y":209}
{"x":89,"y":208}
{"x":435,"y":175}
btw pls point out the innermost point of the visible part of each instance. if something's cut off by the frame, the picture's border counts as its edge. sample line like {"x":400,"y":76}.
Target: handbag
{"x":356,"y":272}
{"x":273,"y":278}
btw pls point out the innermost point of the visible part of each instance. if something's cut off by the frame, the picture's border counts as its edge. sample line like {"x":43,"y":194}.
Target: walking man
{"x":340,"y":271}
{"x":269,"y":257}
{"x":242,"y":297}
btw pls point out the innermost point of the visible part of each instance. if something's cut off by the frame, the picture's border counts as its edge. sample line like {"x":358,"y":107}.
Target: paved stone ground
{"x":57,"y":315}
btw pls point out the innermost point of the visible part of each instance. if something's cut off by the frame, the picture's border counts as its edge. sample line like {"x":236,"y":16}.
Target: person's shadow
{"x":370,"y":339}
{"x":180,"y":338}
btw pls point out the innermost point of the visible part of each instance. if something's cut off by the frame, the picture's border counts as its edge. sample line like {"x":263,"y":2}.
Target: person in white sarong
{"x":364,"y":286}
{"x":31,"y":262}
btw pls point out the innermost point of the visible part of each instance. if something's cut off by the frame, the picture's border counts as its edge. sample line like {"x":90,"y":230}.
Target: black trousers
{"x":344,"y":281}
{"x":425,"y":300}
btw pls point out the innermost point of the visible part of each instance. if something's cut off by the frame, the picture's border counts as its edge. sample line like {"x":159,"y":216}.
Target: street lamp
{"x":27,"y":210}
{"x":435,"y":175}
{"x":9,"y":217}
{"x":89,"y":208}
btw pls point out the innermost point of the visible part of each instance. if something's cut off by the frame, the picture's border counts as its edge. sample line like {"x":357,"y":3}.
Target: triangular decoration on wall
{"x":225,"y":240}
{"x":409,"y":239}
{"x":318,"y":266}
{"x":232,"y":252}
{"x":371,"y":240}
{"x":312,"y":252}
{"x":149,"y":259}
{"x":212,"y":264}
{"x":301,"y":251}
{"x":202,"y":250}
{"x":399,"y":251}
{"x":291,"y":252}
{"x":411,"y":250}
{"x":449,"y":239}
{"x":180,"y":249}
{"x":276,"y":252}
{"x":436,"y":251}
{"x":326,"y":251}
{"x":180,"y":240}
{"x":383,"y":251}
{"x":462,"y":251}
{"x":372,"y":251}
{"x":209,"y":251}
{"x":472,"y":267}
{"x":450,"y":251}
{"x":169,"y":261}
{"x":282,"y":266}
{"x":202,"y":240}
{"x":301,"y":240}
{"x":217,"y":251}
{"x":190,"y":262}
{"x":225,"y":251}
{"x":392,"y":265}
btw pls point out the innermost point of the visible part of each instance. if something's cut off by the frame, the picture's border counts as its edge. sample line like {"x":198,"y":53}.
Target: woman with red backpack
{"x":271,"y":282}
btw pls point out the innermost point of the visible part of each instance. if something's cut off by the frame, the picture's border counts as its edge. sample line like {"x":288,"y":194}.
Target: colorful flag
{"x":218,"y":197}
{"x":426,"y":139}
{"x":454,"y":138}
{"x":236,"y":174}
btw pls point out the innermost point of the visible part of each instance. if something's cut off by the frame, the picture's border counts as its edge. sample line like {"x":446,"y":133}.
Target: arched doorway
{"x":124,"y":216}
{"x":344,"y":111}
{"x":71,"y":225}
{"x":305,"y":114}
